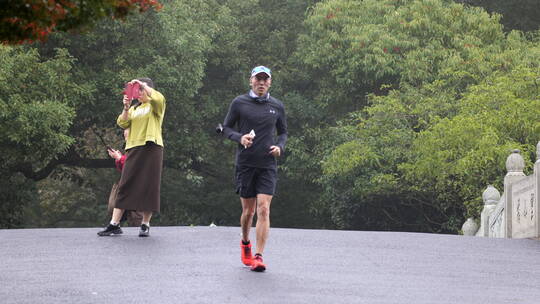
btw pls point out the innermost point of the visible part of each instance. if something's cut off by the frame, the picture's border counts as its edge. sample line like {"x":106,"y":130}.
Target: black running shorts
{"x":251,"y":181}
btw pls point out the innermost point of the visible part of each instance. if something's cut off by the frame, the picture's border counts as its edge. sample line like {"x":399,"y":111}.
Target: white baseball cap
{"x":261,"y":69}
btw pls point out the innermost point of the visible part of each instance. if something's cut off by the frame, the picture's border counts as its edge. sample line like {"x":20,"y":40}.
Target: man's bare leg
{"x":263,"y":220}
{"x":246,"y":220}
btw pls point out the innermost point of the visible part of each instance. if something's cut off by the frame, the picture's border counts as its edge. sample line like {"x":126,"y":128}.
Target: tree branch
{"x":70,"y":158}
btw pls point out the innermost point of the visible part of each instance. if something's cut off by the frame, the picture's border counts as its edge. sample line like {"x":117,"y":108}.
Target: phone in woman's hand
{"x":131,"y":90}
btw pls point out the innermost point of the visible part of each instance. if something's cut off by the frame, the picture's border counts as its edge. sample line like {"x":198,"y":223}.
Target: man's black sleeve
{"x":281,"y":127}
{"x":230,"y":120}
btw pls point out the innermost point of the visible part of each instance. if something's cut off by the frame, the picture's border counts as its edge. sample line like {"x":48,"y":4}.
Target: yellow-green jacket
{"x":145,"y":122}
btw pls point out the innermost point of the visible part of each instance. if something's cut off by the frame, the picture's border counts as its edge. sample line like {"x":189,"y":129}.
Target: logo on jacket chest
{"x":140,"y":111}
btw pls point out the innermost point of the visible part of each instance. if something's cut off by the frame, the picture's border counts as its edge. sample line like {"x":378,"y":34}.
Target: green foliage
{"x":71,"y":197}
{"x":400,"y":112}
{"x":171,"y":47}
{"x":31,"y":20}
{"x":37,"y":104}
{"x":353,"y":47}
{"x":16,"y":193}
{"x":468,"y":150}
{"x":418,"y":59}
{"x":517,"y":14}
{"x":35,"y":109}
{"x":199,"y":55}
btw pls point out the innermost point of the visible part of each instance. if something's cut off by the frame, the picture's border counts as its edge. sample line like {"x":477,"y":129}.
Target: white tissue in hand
{"x":252,"y":133}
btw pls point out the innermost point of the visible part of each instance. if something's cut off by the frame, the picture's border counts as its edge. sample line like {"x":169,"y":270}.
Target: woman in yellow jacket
{"x":139,"y":186}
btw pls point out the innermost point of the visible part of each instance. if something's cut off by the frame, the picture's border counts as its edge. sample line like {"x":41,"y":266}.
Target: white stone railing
{"x":515,"y":213}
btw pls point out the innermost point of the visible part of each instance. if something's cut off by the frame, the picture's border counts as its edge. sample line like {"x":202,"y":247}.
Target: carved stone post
{"x":491,"y":197}
{"x":536,"y":211}
{"x":469,"y":227}
{"x":514,"y":166}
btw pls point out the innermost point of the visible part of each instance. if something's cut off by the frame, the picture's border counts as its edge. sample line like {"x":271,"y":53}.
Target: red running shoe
{"x":246,"y":256}
{"x":257,"y":264}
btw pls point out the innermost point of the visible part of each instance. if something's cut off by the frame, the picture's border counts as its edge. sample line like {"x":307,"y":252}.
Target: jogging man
{"x":253,"y":121}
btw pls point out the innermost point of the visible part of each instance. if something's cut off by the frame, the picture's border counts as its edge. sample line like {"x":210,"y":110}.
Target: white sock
{"x":147,"y":224}
{"x":114,"y":223}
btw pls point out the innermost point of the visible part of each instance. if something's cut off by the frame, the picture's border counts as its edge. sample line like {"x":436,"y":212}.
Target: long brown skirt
{"x":140,"y":183}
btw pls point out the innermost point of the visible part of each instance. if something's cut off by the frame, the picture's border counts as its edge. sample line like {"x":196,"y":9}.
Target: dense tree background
{"x":31,"y":20}
{"x":516,"y":14}
{"x":400,"y":112}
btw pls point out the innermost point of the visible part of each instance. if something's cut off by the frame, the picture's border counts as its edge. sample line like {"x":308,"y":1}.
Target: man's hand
{"x":275,"y":151}
{"x":247,"y":140}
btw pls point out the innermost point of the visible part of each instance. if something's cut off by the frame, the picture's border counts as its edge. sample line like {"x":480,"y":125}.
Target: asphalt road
{"x":202,"y":265}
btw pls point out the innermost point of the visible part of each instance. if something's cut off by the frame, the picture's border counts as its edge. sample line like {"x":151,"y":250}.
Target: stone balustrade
{"x":514,"y":214}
